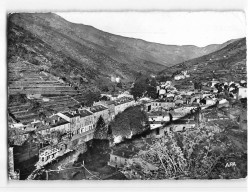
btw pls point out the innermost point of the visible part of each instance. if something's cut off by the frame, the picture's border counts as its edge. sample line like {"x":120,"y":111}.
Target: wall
{"x":117,"y":160}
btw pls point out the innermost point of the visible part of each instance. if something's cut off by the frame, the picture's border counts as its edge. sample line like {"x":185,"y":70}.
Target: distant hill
{"x":77,"y":50}
{"x":227,"y":64}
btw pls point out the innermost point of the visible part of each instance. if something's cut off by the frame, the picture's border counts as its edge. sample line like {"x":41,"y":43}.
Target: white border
{"x":104,"y":5}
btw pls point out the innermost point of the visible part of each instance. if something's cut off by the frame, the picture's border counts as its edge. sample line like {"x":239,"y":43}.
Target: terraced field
{"x":25,"y":78}
{"x":54,"y":94}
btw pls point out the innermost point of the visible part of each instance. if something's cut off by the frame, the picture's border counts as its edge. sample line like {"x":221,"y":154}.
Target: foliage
{"x":55,"y":137}
{"x":138,"y":89}
{"x":192,"y":154}
{"x":119,"y":85}
{"x":130,"y":122}
{"x":17,"y":99}
{"x":101,"y":129}
{"x":197,"y":85}
{"x":144,"y":86}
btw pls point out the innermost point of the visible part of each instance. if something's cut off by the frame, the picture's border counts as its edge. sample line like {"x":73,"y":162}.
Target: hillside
{"x":226,"y":64}
{"x":70,"y":50}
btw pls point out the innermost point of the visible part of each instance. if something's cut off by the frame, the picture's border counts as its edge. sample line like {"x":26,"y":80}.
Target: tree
{"x":130,"y":122}
{"x":190,"y":154}
{"x":101,"y":131}
{"x":197,"y":85}
{"x":152,"y":92}
{"x":119,"y":85}
{"x":138,"y":89}
{"x":105,"y":98}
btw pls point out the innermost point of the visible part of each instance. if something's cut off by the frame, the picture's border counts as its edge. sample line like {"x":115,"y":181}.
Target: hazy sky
{"x":179,"y":28}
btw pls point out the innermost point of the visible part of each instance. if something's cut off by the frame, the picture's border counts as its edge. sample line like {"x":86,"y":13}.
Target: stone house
{"x":100,"y":110}
{"x":86,"y":121}
{"x":74,"y":118}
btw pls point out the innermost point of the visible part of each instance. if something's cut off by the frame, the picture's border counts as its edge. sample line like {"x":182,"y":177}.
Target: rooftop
{"x":98,"y":108}
{"x":179,"y":122}
{"x":84,"y":113}
{"x":71,"y":114}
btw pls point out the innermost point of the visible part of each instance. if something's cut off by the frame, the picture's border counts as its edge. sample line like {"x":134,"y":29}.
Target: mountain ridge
{"x":227,"y":63}
{"x":88,"y":50}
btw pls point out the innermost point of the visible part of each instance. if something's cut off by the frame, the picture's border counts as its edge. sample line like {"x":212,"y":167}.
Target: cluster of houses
{"x":182,"y":75}
{"x":173,"y":111}
{"x":74,"y":128}
{"x":178,"y":111}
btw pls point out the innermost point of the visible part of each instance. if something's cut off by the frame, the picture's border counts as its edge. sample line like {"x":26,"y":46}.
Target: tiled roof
{"x":84,"y":113}
{"x":97,"y":108}
{"x":70,"y":115}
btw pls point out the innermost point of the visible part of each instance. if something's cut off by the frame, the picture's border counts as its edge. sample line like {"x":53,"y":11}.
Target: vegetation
{"x":194,"y":154}
{"x":130,"y":122}
{"x":144,"y":85}
{"x":17,"y":99}
{"x":226,"y":64}
{"x":101,"y":131}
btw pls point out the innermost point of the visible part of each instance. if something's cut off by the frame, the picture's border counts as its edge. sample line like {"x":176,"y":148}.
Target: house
{"x":213,"y":115}
{"x":158,"y":118}
{"x":179,"y":125}
{"x":49,"y":153}
{"x":179,"y":77}
{"x":100,"y":110}
{"x":122,"y":155}
{"x":145,"y":103}
{"x":86,"y":121}
{"x":162,"y":104}
{"x":213,"y":82}
{"x":51,"y":124}
{"x":157,"y":130}
{"x":162,"y":92}
{"x":158,"y":105}
{"x":110,"y":105}
{"x":210,"y":101}
{"x":242,"y":92}
{"x":74,"y":118}
{"x":57,"y":123}
{"x":119,"y":158}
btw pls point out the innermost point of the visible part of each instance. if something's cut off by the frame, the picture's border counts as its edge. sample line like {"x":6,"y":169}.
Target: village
{"x":71,"y":129}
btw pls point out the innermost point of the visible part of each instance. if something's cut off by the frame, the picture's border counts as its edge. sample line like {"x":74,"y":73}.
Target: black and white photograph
{"x":126,"y":95}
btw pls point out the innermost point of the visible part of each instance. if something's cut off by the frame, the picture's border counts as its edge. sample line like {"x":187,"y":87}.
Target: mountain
{"x":227,"y":64}
{"x":69,"y":49}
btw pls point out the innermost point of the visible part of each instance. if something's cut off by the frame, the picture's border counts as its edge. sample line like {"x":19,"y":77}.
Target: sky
{"x":173,"y":28}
